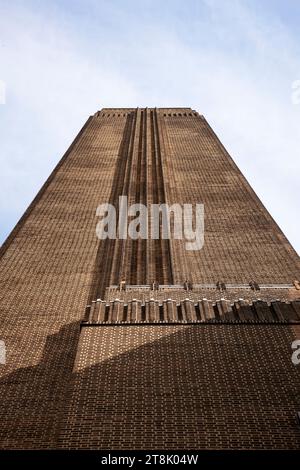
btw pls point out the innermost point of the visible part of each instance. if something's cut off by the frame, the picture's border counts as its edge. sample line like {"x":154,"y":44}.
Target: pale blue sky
{"x":234,"y":61}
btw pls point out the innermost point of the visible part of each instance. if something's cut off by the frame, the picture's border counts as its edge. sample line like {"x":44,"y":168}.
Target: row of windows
{"x":113,"y":115}
{"x":126,"y":114}
{"x":180,"y":114}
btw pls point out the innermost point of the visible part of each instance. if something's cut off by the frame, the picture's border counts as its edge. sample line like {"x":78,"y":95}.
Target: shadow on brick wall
{"x":32,"y":399}
{"x":156,"y":387}
{"x":184,"y":387}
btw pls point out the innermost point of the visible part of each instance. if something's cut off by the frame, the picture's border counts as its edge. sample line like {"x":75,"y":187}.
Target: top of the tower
{"x":177,"y":111}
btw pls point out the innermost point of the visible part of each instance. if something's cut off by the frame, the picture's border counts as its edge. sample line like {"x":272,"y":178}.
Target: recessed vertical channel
{"x":164,"y":270}
{"x":139,"y":176}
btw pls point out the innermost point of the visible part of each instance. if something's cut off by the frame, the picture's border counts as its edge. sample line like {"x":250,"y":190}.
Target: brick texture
{"x":187,"y":387}
{"x":52,"y":267}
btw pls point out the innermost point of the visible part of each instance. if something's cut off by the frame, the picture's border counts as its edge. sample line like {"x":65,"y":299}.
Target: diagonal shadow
{"x":156,"y":387}
{"x":32,"y":399}
{"x":183,"y":387}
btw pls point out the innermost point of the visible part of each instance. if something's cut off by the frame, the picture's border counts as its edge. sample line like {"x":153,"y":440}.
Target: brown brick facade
{"x":52,"y":266}
{"x":187,"y":387}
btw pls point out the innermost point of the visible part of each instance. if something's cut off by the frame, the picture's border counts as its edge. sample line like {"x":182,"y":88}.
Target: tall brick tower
{"x":134,"y":344}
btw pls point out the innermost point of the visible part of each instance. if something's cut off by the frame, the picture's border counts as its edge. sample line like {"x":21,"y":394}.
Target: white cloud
{"x":233,"y":64}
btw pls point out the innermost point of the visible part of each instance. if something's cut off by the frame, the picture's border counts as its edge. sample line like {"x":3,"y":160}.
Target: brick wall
{"x":52,"y":264}
{"x":184,"y":387}
{"x":46,"y":273}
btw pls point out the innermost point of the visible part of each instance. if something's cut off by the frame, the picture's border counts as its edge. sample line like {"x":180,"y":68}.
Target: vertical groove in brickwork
{"x":122,"y":175}
{"x":157,"y":197}
{"x":150,"y":185}
{"x":134,"y":275}
{"x":156,"y":247}
{"x":109,"y":251}
{"x":165,"y":262}
{"x":129,"y":260}
{"x":139,"y":175}
{"x":120,"y":257}
{"x":143,"y":243}
{"x":176,"y":247}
